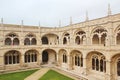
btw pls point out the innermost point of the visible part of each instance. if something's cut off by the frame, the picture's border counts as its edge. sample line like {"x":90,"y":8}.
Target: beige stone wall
{"x":109,"y":50}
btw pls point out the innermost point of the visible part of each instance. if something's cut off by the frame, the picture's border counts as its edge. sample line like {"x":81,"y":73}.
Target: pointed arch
{"x":15,"y":41}
{"x":99,"y":35}
{"x":76,"y":59}
{"x":97,"y":60}
{"x":45,"y":40}
{"x":31,"y":56}
{"x":11,"y":39}
{"x":77,"y":40}
{"x":12,"y":57}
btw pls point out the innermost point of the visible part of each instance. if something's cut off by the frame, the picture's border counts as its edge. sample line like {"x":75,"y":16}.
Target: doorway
{"x":45,"y":57}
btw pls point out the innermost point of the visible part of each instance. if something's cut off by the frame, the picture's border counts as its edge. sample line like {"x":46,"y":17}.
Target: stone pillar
{"x":108,"y":75}
{"x":99,"y":39}
{"x":39,"y":59}
{"x":114,"y":40}
{"x":68,"y":61}
{"x":84,"y":40}
{"x":57,"y":59}
{"x":38,"y":40}
{"x":107,"y":41}
{"x":85,"y":66}
{"x":91,"y":42}
{"x":61,"y":41}
{"x":2,"y":63}
{"x":22,"y":40}
{"x":22,"y":60}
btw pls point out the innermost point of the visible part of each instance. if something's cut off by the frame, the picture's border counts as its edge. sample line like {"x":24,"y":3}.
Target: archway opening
{"x":96,"y":62}
{"x":77,"y":40}
{"x":76,"y":59}
{"x":44,"y":40}
{"x":30,"y":56}
{"x":11,"y":39}
{"x":45,"y":57}
{"x":115,"y":65}
{"x":95,"y":39}
{"x":49,"y":56}
{"x":118,"y":67}
{"x":118,"y":39}
{"x":12,"y":57}
{"x":64,"y":40}
{"x":63,"y":58}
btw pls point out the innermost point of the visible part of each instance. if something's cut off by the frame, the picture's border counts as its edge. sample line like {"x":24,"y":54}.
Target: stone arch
{"x":44,"y":40}
{"x":115,"y":66}
{"x":12,"y":33}
{"x":99,"y":35}
{"x":76,"y":31}
{"x":31,"y":56}
{"x":16,"y":41}
{"x":66,"y":38}
{"x":50,"y":38}
{"x":77,"y":40}
{"x":96,"y":62}
{"x":11,"y":39}
{"x":8,"y":41}
{"x":76,"y":59}
{"x":30,"y":35}
{"x":117,"y":35}
{"x":27,"y":41}
{"x":62,"y":57}
{"x":116,"y":29}
{"x":30,"y":39}
{"x":95,"y":39}
{"x":98,"y":27}
{"x":12,"y":57}
{"x":64,"y":33}
{"x":48,"y":34}
{"x":33,"y":41}
{"x":82,"y":36}
{"x":49,"y":56}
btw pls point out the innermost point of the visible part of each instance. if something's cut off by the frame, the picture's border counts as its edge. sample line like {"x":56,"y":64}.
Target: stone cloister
{"x":89,"y":49}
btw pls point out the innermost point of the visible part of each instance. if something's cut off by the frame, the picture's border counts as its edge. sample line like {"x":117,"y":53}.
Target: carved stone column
{"x":22,"y":60}
{"x":108,"y":75}
{"x":85,"y":66}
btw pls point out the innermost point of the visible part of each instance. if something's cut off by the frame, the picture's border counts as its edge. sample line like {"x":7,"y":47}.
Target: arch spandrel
{"x":11,"y":51}
{"x":92,"y":52}
{"x":64,"y":33}
{"x":114,"y":56}
{"x":30,"y":34}
{"x":77,"y":30}
{"x":44,"y":34}
{"x":31,"y":50}
{"x":76,"y":52}
{"x":63,"y":51}
{"x":98,"y":27}
{"x":117,"y":29}
{"x":14,"y":33}
{"x":48,"y":49}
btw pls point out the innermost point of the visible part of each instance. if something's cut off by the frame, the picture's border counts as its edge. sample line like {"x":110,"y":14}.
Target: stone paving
{"x":45,"y":68}
{"x":37,"y":74}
